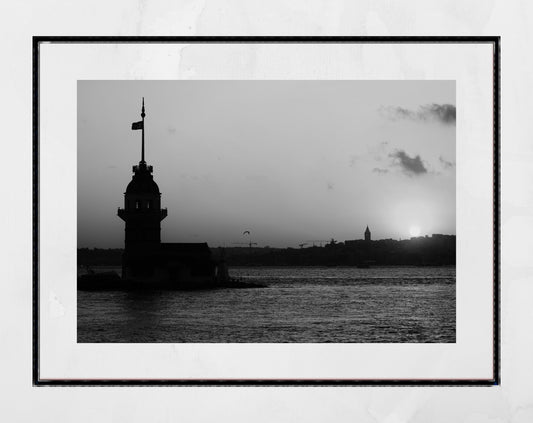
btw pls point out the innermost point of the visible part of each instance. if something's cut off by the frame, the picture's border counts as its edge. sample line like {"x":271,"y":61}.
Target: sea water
{"x":300,"y":304}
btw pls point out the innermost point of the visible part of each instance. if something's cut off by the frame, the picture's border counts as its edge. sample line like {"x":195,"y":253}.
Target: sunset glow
{"x":414,"y":231}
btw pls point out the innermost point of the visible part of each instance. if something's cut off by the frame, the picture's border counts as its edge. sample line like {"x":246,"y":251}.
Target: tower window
{"x":149,"y":204}
{"x":137,"y":204}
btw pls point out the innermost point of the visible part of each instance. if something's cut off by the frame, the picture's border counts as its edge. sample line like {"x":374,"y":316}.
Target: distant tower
{"x":367,"y":234}
{"x":142,"y":213}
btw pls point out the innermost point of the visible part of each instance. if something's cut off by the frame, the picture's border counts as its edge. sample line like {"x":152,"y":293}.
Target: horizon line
{"x":308,"y":245}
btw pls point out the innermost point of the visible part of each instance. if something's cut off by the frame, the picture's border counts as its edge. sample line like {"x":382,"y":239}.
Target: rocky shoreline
{"x":111,"y":281}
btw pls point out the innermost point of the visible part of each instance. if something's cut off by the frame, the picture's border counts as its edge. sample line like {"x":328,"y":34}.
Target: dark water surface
{"x":388,"y":304}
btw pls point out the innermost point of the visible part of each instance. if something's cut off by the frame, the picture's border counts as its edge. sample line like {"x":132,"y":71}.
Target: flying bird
{"x":246,"y":232}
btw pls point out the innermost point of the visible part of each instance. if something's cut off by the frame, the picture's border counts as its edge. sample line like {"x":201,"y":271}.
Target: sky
{"x":291,"y":162}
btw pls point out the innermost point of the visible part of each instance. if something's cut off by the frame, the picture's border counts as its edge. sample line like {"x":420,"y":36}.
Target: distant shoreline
{"x":437,"y":250}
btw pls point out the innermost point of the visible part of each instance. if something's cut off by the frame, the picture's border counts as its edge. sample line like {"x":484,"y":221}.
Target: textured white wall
{"x":512,"y":402}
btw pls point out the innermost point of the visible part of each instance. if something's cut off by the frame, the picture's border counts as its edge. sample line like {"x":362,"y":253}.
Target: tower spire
{"x":142,"y":115}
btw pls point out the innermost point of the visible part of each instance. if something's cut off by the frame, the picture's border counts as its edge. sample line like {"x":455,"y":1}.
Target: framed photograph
{"x":266,"y":211}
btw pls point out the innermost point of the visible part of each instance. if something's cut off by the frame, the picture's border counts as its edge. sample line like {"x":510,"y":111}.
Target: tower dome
{"x":142,"y":181}
{"x":367,"y":234}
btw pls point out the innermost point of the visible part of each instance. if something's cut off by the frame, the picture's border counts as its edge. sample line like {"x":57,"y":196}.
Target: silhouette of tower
{"x":142,"y":213}
{"x":148,"y":262}
{"x":367,"y":234}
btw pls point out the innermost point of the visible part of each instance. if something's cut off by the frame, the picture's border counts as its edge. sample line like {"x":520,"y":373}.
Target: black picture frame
{"x":492,"y":40}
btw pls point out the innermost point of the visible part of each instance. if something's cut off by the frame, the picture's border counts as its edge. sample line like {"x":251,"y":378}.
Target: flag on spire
{"x":137,"y":125}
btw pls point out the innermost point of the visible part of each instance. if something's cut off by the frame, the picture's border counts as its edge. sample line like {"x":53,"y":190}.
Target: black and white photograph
{"x":266,"y":211}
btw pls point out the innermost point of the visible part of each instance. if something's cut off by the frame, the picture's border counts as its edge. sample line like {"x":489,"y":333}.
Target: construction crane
{"x":249,"y":243}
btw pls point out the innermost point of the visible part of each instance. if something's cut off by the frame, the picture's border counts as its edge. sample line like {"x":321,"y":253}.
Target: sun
{"x":414,"y":230}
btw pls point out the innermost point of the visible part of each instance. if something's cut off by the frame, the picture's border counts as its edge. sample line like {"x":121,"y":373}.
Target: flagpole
{"x":142,"y":115}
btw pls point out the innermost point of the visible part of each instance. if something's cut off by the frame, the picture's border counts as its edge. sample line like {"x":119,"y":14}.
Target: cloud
{"x":378,"y":170}
{"x":443,"y":113}
{"x":445,"y":163}
{"x":410,"y":165}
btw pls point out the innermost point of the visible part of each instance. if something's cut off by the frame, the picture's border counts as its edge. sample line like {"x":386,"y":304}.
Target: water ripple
{"x":300,"y":305}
